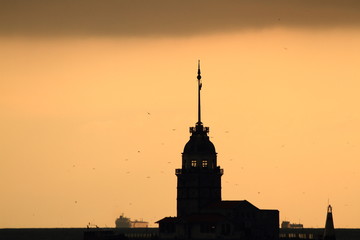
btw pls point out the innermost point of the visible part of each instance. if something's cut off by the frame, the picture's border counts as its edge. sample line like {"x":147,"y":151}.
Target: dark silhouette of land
{"x":145,"y":233}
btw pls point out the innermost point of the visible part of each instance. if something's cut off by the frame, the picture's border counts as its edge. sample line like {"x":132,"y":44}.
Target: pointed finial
{"x":199,"y":72}
{"x":329,"y":209}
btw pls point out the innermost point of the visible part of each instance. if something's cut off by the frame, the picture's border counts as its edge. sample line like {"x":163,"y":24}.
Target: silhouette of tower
{"x":199,"y":179}
{"x":201,"y":213}
{"x":329,"y":233}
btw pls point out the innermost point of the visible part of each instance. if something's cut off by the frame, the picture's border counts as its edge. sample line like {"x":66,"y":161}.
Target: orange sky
{"x":77,"y":144}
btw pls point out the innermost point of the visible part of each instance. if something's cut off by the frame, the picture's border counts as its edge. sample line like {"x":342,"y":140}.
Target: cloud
{"x":169,"y":17}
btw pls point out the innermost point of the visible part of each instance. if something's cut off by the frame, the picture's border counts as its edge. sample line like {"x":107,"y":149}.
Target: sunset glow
{"x":93,"y":125}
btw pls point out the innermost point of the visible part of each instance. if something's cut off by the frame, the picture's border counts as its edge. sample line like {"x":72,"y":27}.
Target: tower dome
{"x":199,"y":151}
{"x":199,"y":143}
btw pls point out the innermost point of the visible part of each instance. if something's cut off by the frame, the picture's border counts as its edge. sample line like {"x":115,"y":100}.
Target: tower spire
{"x":329,"y":233}
{"x":199,"y":88}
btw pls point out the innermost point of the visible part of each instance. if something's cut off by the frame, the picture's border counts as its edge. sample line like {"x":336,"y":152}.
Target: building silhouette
{"x":287,"y":224}
{"x":201,"y":212}
{"x":125,"y":222}
{"x":122,"y":222}
{"x":329,"y":232}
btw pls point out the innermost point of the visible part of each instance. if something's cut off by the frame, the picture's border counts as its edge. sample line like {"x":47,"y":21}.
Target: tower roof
{"x":199,"y":143}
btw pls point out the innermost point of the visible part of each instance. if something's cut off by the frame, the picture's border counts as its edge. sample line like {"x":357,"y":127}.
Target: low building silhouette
{"x":287,"y":224}
{"x":139,"y":224}
{"x":124,"y":222}
{"x":327,"y":233}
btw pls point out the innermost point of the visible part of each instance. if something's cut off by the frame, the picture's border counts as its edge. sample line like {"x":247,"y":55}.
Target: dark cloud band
{"x":169,"y":17}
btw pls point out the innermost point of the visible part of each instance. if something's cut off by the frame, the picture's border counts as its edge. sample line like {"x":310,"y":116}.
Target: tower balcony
{"x":199,"y":129}
{"x":217,"y":170}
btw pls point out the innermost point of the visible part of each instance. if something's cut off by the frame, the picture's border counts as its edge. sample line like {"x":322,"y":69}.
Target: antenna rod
{"x":200,"y":85}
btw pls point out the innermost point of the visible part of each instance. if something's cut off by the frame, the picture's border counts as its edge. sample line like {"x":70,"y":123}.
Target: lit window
{"x":204,"y":163}
{"x":193,"y":163}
